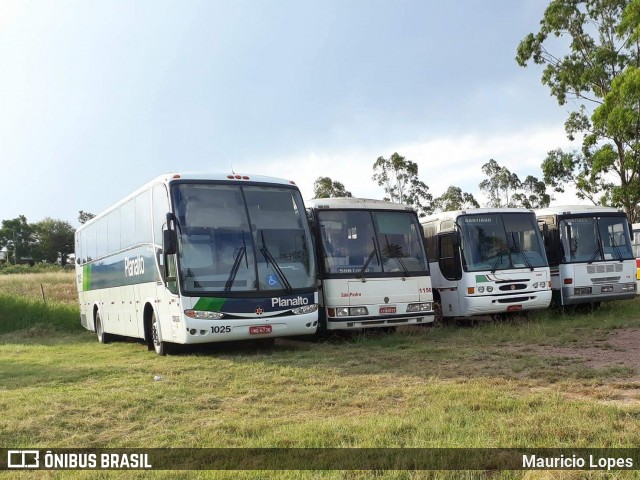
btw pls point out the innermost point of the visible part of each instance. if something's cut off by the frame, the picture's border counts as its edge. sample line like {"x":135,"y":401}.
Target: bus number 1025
{"x":221,"y":329}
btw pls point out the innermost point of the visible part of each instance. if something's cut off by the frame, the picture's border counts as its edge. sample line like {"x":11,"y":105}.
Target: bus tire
{"x":103,"y":337}
{"x":438,"y":319}
{"x":156,"y":337}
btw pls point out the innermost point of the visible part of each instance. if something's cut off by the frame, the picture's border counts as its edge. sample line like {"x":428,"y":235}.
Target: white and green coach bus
{"x":373,"y":267}
{"x":590,"y":254}
{"x":193,"y":258}
{"x":486,"y":262}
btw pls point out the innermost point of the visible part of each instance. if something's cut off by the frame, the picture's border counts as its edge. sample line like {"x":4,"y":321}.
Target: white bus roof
{"x":167,"y":178}
{"x":576,"y":209}
{"x":454,"y":214}
{"x":356,"y":203}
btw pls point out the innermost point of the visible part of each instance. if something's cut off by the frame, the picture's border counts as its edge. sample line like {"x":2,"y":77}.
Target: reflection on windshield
{"x":242,"y":239}
{"x":363,"y":242}
{"x":501,"y":241}
{"x":589,"y":239}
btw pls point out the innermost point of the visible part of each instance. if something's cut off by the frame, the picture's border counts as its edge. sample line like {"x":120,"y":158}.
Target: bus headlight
{"x":202,"y":315}
{"x":480,"y":289}
{"x":305,"y":309}
{"x":489,"y":289}
{"x":629,"y":287}
{"x":419,"y":307}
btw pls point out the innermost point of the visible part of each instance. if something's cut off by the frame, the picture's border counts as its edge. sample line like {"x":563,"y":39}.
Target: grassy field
{"x":550,"y":380}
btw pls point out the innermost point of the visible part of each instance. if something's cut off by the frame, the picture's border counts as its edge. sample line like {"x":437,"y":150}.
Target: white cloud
{"x":442,"y":161}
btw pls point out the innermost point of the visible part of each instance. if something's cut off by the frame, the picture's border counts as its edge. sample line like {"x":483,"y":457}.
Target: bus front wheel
{"x":156,"y":337}
{"x":103,"y":337}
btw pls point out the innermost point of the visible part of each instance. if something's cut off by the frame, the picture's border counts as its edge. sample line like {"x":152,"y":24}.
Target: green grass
{"x":486,"y":385}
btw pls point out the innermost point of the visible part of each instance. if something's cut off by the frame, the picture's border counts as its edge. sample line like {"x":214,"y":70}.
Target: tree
{"x":399,"y":178}
{"x":500,"y":186}
{"x":18,"y":236}
{"x":54,"y":240}
{"x":600,"y":71}
{"x":324,"y":187}
{"x":505,"y":189}
{"x":84,"y":217}
{"x":454,"y":199}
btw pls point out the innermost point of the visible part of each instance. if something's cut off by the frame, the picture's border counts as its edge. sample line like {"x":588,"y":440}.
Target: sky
{"x":99,"y":97}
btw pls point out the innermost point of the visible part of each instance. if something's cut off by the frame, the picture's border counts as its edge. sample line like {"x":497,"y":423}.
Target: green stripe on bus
{"x":86,"y":278}
{"x":210,"y":304}
{"x":481,"y":278}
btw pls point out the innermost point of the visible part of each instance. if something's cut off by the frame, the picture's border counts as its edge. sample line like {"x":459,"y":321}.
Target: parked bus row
{"x":191,"y":259}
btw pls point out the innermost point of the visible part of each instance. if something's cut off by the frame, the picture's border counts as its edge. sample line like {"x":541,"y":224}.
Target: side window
{"x":431,"y":241}
{"x":160,"y":209}
{"x":448,"y":259}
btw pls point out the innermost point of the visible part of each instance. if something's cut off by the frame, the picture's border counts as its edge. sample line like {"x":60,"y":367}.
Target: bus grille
{"x":605,"y":279}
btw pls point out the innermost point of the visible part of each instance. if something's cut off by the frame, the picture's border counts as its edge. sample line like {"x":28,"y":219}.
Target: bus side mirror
{"x":169,"y":242}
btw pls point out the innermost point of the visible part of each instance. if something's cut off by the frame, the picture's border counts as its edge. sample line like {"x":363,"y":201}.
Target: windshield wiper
{"x":594,"y":255}
{"x":516,"y":245}
{"x":366,"y":264}
{"x":497,"y":262}
{"x":396,"y":255}
{"x":190,"y":274}
{"x":615,"y":247}
{"x":238,"y":254}
{"x":267,"y":255}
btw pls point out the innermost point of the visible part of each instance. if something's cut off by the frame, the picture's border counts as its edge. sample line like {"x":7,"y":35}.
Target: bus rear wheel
{"x":156,"y":337}
{"x":103,"y":337}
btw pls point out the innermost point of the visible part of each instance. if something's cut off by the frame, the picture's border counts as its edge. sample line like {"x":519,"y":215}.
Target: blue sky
{"x":98,"y":97}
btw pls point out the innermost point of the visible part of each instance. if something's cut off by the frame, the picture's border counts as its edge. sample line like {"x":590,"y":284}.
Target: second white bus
{"x":372,"y":264}
{"x":486,"y":262}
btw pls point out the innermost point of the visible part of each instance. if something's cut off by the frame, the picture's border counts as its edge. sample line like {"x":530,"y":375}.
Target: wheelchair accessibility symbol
{"x":272,"y":280}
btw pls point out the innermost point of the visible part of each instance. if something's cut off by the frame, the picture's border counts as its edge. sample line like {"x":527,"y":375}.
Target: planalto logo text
{"x":289,"y":302}
{"x":133,"y":266}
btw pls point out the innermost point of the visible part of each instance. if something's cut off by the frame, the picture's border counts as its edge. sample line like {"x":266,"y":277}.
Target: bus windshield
{"x":591,"y":239}
{"x":501,"y":241}
{"x":234,"y":238}
{"x":360,"y":242}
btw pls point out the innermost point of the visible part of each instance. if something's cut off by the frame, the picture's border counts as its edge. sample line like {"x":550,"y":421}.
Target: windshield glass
{"x":365,"y":242}
{"x":501,"y":241}
{"x":236,"y":238}
{"x":591,"y":239}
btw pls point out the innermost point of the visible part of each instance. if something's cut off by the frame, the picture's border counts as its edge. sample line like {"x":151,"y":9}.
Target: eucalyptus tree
{"x":325,"y":187}
{"x":596,"y":70}
{"x":399,"y":178}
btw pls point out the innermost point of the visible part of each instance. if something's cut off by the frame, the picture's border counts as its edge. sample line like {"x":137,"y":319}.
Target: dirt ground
{"x":621,"y":348}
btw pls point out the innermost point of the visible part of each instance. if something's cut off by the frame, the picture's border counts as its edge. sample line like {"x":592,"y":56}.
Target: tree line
{"x":49,"y":240}
{"x":590,"y":54}
{"x":399,"y":179}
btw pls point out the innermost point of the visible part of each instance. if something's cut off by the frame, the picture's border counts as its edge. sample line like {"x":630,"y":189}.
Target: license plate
{"x":387,"y":309}
{"x":260,"y":329}
{"x":513,"y":308}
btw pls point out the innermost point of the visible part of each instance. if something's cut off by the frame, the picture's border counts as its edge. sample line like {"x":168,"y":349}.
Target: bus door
{"x":450,"y":271}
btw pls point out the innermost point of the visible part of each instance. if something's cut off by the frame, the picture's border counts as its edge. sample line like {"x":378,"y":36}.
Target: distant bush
{"x":6,"y":268}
